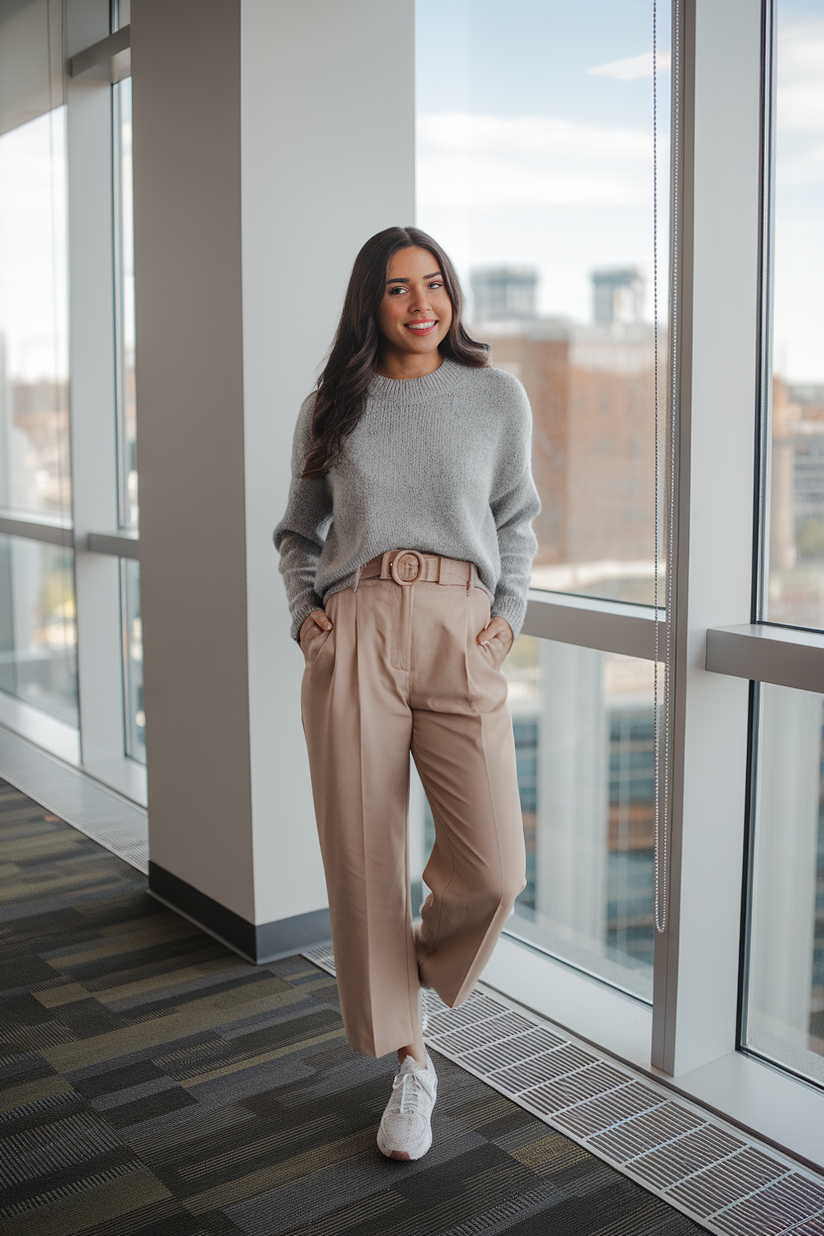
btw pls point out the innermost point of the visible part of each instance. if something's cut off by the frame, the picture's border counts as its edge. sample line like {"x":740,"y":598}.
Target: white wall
{"x":326,"y":162}
{"x":189,"y":371}
{"x":265,"y":155}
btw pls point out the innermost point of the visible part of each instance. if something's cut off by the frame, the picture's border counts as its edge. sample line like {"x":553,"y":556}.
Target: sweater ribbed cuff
{"x":302,"y":612}
{"x":513,"y":611}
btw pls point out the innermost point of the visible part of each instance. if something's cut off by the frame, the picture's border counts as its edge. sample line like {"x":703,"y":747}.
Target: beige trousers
{"x":399,"y":671}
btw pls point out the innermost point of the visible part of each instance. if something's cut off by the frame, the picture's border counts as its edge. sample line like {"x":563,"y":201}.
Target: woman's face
{"x":415,"y":312}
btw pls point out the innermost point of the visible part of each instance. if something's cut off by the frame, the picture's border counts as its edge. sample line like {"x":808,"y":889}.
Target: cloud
{"x":801,"y":81}
{"x":475,"y":161}
{"x":634,"y":67}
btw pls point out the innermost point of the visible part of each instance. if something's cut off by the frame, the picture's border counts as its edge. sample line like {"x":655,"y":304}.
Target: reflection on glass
{"x":583,"y":741}
{"x":534,"y":170}
{"x":124,"y":279}
{"x":35,"y":474}
{"x":785,"y":1006}
{"x":38,"y":637}
{"x":133,"y":661}
{"x":796,"y":523}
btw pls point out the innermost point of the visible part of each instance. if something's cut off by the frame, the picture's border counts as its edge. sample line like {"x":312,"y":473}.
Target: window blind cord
{"x":661,"y":699}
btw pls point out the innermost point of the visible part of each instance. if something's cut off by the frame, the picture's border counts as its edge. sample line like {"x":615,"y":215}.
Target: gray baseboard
{"x":257,"y":942}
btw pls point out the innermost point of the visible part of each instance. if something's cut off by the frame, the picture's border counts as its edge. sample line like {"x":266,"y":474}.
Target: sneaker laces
{"x":412,"y":1087}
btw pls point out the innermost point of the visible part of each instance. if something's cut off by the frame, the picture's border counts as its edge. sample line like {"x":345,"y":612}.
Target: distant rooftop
{"x":504,"y":292}
{"x":509,"y":294}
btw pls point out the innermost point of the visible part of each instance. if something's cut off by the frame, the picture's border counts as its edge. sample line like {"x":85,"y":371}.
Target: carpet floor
{"x":156,"y":1084}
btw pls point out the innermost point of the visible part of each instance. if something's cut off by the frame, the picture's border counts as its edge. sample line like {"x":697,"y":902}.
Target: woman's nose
{"x":420,"y":300}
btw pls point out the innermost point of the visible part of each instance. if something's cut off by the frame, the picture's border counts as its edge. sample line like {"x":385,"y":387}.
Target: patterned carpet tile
{"x":154,"y":1084}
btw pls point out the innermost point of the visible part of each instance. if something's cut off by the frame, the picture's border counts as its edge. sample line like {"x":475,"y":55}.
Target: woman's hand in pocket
{"x":313,"y":627}
{"x":497,"y":638}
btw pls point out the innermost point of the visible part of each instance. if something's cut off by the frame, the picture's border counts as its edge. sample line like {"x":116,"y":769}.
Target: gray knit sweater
{"x":440,"y":464}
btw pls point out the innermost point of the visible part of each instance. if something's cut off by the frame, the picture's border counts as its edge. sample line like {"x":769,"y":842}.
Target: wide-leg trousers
{"x":401,"y":671}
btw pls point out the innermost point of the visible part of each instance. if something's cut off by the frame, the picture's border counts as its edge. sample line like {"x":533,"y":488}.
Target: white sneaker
{"x":405,"y":1130}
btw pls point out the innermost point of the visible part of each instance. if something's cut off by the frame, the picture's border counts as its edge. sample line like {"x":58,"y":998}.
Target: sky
{"x":799,"y":194}
{"x":535,"y":148}
{"x":33,"y":273}
{"x":535,"y":138}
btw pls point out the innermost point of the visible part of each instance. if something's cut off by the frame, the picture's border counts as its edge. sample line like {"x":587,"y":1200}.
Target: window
{"x":124,"y":303}
{"x":35,"y":470}
{"x":133,"y":661}
{"x":38,"y":634}
{"x":785,"y":1005}
{"x":583,"y":734}
{"x":535,"y":171}
{"x":795,"y":593}
{"x":68,"y":479}
{"x":128,"y":507}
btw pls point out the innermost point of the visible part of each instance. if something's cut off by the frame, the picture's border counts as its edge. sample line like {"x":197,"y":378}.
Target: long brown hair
{"x":342,"y":387}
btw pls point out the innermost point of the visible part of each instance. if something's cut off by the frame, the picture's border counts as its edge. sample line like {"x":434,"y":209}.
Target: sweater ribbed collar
{"x":403,"y":391}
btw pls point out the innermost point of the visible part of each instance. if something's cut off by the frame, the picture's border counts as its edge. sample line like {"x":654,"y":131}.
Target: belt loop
{"x":357,"y":577}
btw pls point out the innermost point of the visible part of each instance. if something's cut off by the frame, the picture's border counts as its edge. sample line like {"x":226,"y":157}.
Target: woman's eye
{"x":396,"y":291}
{"x":436,"y":284}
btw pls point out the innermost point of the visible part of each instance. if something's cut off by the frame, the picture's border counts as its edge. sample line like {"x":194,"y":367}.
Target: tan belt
{"x":409,"y":566}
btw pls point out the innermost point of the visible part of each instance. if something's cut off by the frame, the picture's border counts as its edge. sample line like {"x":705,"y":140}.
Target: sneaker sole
{"x":403,"y":1155}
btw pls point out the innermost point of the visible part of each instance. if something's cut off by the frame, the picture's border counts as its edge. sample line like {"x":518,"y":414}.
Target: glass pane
{"x":133,"y":661}
{"x":124,"y":280}
{"x":35,"y":473}
{"x":796,"y":525}
{"x":583,"y":739}
{"x":38,"y":637}
{"x":120,"y":13}
{"x":535,"y":171}
{"x":785,"y":1009}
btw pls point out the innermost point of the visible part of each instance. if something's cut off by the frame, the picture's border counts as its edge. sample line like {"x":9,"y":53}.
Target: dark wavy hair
{"x":342,"y":387}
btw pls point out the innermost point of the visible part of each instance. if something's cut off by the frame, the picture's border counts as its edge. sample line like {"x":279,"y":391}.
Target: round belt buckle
{"x":407,"y":567}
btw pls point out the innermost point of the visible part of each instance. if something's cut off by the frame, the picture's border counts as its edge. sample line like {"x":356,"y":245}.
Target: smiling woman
{"x":361,"y":347}
{"x":405,"y":549}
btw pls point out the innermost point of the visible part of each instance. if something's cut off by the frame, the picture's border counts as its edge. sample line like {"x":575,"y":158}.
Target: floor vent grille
{"x":713,"y":1173}
{"x":115,"y":823}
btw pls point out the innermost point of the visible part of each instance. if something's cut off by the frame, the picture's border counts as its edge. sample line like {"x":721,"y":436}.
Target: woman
{"x":406,"y":549}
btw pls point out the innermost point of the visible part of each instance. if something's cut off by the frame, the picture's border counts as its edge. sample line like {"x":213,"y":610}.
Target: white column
{"x":325,"y":165}
{"x":257,"y":178}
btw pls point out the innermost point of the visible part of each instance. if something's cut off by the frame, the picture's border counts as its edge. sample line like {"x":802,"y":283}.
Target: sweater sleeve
{"x":514,"y":504}
{"x":301,"y":534}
